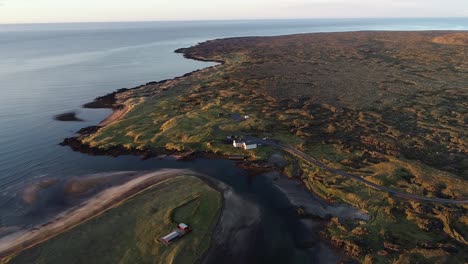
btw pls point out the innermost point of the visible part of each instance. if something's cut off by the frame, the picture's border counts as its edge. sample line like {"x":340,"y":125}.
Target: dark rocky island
{"x":69,"y":116}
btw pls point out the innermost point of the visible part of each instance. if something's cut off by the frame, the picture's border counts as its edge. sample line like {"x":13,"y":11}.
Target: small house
{"x":182,"y":230}
{"x":237,"y":143}
{"x":249,"y":145}
{"x":170,"y":237}
{"x":184,"y":227}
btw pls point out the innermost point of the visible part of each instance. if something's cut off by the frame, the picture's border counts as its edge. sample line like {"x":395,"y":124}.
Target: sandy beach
{"x":116,"y":115}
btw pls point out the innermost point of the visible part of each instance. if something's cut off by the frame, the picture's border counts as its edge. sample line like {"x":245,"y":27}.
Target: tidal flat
{"x":123,"y":224}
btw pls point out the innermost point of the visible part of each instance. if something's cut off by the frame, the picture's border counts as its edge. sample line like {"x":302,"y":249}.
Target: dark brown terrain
{"x":400,"y":87}
{"x":391,"y":107}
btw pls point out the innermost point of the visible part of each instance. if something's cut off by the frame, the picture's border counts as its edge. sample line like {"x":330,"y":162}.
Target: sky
{"x":49,"y":11}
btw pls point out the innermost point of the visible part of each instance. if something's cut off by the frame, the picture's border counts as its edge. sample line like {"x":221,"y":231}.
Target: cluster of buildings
{"x":244,"y":144}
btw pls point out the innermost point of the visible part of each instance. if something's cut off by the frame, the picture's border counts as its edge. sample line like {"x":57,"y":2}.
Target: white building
{"x":169,"y":238}
{"x":182,"y":229}
{"x":237,"y":144}
{"x":249,"y":145}
{"x":244,"y":144}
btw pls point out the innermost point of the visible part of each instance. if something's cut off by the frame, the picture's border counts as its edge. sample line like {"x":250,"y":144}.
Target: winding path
{"x":393,"y":192}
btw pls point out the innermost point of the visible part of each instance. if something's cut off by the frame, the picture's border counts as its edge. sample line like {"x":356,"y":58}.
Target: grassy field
{"x":127,"y":233}
{"x":389,"y":106}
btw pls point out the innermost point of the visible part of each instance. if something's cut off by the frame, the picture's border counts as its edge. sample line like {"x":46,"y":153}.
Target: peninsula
{"x":389,"y":107}
{"x":125,"y":220}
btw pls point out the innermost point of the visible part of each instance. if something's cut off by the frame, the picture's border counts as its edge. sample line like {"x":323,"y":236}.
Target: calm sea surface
{"x":48,"y":69}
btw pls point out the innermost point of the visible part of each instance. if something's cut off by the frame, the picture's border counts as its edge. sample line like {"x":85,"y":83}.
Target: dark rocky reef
{"x":106,"y":101}
{"x":69,"y":116}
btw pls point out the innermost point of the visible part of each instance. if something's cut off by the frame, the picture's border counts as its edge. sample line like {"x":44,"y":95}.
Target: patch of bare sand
{"x":31,"y":191}
{"x":116,"y":115}
{"x":78,"y":186}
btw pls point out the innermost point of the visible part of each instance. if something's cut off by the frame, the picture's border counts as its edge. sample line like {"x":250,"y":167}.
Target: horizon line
{"x":225,"y":20}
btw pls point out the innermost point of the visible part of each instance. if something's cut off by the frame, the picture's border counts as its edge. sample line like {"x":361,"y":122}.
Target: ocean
{"x":49,"y":69}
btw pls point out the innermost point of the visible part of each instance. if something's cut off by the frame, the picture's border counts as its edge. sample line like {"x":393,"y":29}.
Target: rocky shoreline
{"x":252,"y":167}
{"x":109,"y":101}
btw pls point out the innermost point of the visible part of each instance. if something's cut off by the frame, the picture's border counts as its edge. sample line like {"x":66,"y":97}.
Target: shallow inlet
{"x":278,"y":237}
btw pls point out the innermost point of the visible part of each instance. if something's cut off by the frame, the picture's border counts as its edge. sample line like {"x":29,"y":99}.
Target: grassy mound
{"x":127,"y":233}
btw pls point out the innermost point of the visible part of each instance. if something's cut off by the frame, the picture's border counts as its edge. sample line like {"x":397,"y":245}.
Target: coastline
{"x":109,"y":101}
{"x":353,"y":248}
{"x":95,"y":206}
{"x":116,"y":114}
{"x":238,"y":218}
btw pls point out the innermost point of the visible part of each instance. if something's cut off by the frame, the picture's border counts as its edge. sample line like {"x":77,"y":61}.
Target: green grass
{"x":127,"y":233}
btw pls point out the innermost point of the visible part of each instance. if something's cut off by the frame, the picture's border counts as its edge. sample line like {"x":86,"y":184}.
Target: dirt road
{"x":393,"y":192}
